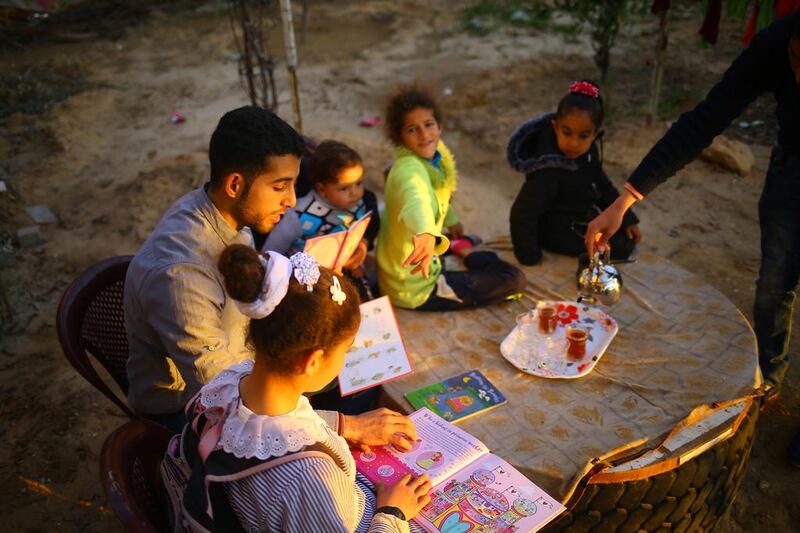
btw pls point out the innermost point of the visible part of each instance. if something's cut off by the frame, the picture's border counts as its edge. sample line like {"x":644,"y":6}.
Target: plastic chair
{"x":130,"y":475}
{"x":90,"y":318}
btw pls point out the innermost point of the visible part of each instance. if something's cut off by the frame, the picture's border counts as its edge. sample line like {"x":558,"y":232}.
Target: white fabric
{"x":247,"y":435}
{"x":278,"y":272}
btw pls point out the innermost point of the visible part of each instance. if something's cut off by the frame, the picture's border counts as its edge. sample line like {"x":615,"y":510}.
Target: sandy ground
{"x":108,"y":162}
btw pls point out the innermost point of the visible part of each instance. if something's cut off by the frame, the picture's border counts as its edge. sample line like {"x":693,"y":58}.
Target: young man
{"x":770,"y":64}
{"x":182,"y":327}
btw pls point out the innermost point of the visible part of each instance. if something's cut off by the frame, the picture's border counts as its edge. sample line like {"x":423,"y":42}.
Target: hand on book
{"x":357,"y":259}
{"x":409,"y":495}
{"x":379,"y":427}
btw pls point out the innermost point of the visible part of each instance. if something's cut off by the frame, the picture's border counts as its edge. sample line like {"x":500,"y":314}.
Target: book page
{"x":489,"y":494}
{"x":325,"y":248}
{"x":458,"y":397}
{"x":354,"y":235}
{"x":378,"y":354}
{"x":440,"y":451}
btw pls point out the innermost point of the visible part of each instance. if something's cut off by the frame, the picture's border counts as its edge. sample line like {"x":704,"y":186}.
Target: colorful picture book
{"x":378,"y":354}
{"x":473,"y":490}
{"x":458,"y":397}
{"x":334,"y":249}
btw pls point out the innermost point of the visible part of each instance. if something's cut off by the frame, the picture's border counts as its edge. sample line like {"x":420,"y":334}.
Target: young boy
{"x":337,"y":199}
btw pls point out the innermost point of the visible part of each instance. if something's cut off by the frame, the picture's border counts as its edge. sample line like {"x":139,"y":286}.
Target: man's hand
{"x":357,"y":259}
{"x":379,"y":427}
{"x":606,"y":224}
{"x":634,"y":233}
{"x":422,"y":255}
{"x":456,"y":231}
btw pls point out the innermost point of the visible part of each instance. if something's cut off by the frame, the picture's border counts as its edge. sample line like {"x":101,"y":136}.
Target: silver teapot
{"x":600,"y":281}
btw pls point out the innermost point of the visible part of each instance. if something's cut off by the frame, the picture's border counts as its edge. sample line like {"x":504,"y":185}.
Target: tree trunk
{"x":658,"y":67}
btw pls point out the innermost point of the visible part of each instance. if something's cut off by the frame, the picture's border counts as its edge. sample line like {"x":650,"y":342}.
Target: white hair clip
{"x":337,"y":294}
{"x":305,"y":269}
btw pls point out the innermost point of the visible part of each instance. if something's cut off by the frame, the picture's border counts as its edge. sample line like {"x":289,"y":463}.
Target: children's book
{"x":378,"y":354}
{"x":334,"y":249}
{"x":458,"y":397}
{"x":473,"y":490}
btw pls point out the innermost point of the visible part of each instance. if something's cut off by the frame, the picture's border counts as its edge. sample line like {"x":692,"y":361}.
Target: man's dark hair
{"x":796,"y":31}
{"x":244,"y":140}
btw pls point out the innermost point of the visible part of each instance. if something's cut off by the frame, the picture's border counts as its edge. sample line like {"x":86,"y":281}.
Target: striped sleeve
{"x":309,"y":494}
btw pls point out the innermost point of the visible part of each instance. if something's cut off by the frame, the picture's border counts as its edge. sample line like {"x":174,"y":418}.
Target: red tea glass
{"x":548,"y":318}
{"x":577,"y":343}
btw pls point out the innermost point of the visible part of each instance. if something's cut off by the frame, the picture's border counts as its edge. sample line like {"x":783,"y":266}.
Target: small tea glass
{"x":576,"y":337}
{"x":547,"y":313}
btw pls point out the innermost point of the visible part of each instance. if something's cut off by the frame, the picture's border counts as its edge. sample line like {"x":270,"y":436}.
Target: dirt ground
{"x":108,"y":162}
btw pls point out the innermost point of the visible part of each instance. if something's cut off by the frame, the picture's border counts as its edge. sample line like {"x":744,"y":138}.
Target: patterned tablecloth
{"x":681,"y":344}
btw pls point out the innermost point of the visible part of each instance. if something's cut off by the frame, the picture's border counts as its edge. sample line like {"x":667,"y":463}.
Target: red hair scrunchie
{"x":586,"y":88}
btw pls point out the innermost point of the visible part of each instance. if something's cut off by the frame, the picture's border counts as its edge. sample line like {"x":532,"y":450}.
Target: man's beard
{"x":247,"y":216}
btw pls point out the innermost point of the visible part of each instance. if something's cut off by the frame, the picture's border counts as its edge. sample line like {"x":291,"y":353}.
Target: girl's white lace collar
{"x":246,"y":434}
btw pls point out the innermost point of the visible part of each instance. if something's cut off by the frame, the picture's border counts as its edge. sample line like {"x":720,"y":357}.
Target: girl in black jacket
{"x":565,"y":186}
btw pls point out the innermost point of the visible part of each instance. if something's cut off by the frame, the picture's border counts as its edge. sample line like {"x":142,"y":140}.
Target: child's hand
{"x":422,"y":255}
{"x":634,"y":233}
{"x":456,"y":231}
{"x":409,"y":495}
{"x":357,"y":259}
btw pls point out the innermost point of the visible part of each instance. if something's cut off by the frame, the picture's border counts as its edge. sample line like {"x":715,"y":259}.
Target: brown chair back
{"x":90,"y":319}
{"x":130,"y":475}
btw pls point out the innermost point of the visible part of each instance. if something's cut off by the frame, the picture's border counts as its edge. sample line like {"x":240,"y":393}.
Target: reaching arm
{"x":750,"y":75}
{"x":608,"y":195}
{"x":418,"y":217}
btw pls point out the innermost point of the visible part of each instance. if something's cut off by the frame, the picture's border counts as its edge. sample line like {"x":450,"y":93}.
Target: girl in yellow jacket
{"x":418,"y":195}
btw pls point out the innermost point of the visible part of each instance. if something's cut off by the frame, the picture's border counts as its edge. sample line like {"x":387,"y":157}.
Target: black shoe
{"x":794,"y":451}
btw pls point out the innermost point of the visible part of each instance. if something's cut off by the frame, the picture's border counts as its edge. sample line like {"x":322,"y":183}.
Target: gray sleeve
{"x":184,"y":305}
{"x":331,"y":418}
{"x":284,"y":234}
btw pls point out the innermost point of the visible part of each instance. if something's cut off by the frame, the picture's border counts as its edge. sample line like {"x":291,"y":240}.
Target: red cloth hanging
{"x":750,"y":30}
{"x":785,"y":7}
{"x":710,"y":28}
{"x":782,"y":8}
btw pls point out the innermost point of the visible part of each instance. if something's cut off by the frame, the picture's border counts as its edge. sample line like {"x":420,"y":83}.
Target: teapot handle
{"x":605,"y":259}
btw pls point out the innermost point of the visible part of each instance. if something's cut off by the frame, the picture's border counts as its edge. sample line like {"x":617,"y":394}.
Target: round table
{"x":676,"y":383}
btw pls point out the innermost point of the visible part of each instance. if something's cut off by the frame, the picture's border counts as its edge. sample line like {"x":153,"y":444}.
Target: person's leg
{"x":436,"y":303}
{"x":488,"y":280}
{"x":563,"y":236}
{"x":779,"y":217}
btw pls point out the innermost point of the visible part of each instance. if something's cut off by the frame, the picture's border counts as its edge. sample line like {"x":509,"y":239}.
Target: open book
{"x":459,"y":397}
{"x":378,"y":354}
{"x":472,"y":488}
{"x":334,"y":249}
